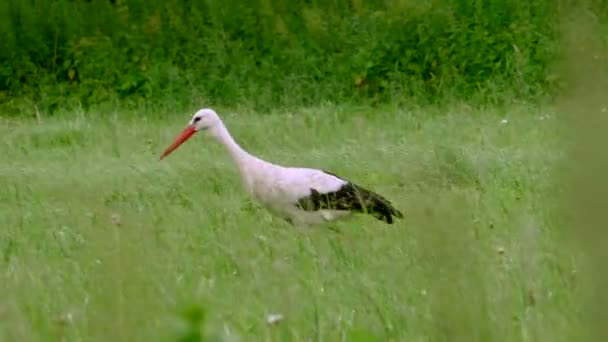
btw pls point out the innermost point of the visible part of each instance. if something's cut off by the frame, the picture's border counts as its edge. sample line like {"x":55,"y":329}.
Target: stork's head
{"x":202,"y":120}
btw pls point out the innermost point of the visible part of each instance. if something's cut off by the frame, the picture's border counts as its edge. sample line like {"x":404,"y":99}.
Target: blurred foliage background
{"x":265,"y":53}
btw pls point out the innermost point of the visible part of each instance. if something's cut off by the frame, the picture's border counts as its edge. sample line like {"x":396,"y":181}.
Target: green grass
{"x":102,"y":241}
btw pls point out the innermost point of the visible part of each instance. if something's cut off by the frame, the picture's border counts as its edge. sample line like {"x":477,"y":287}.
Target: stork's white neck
{"x":242,"y":158}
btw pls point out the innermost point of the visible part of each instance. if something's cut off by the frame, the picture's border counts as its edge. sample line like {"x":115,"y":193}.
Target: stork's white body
{"x":282,"y":189}
{"x":278,"y":187}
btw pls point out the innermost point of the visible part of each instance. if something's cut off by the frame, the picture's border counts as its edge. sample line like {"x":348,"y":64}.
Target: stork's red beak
{"x":180,"y":139}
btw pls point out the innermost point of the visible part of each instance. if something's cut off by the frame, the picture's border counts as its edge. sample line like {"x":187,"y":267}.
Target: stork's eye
{"x":197,"y":119}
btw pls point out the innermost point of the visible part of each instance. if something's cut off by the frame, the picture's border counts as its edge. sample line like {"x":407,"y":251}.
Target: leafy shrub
{"x":265,"y":53}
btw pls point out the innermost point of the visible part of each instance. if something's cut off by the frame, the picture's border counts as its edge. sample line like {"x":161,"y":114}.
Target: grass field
{"x":101,"y":241}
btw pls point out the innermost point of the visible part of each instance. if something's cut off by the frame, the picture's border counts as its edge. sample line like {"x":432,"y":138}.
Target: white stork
{"x":301,"y":196}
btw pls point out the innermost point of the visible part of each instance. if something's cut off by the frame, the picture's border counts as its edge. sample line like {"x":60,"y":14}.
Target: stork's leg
{"x":334,"y":228}
{"x":300,"y":226}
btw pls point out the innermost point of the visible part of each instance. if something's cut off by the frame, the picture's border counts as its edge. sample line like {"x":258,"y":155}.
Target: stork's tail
{"x":354,"y":198}
{"x":382,"y":209}
{"x":378,"y":206}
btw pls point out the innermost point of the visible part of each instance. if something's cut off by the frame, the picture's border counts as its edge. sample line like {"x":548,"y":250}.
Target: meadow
{"x":484,"y":123}
{"x":103,"y":241}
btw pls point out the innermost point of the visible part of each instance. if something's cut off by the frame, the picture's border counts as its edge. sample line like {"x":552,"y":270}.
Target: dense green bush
{"x":271,"y":52}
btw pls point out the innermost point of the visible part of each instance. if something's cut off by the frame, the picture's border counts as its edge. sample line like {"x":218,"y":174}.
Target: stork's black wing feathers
{"x":351,"y":197}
